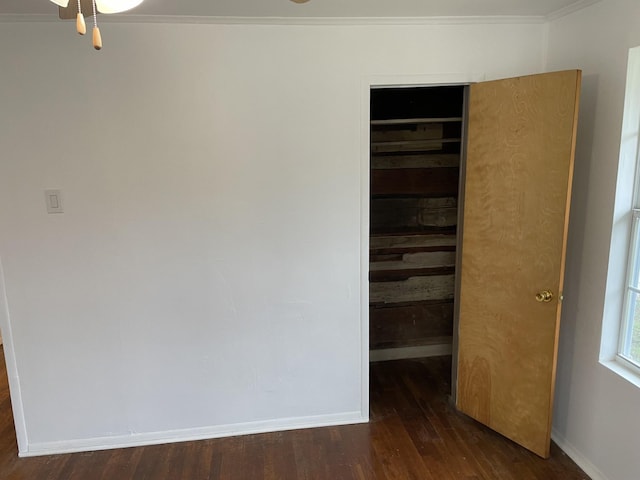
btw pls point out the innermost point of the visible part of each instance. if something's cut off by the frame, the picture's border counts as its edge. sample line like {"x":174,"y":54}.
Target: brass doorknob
{"x":545,"y":296}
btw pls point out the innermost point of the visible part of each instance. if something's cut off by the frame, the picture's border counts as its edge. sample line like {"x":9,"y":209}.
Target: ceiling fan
{"x":69,"y":9}
{"x":78,"y":9}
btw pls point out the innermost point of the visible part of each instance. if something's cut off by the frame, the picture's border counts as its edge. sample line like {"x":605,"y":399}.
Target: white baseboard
{"x":588,"y":467}
{"x":435,"y":350}
{"x":186,"y":435}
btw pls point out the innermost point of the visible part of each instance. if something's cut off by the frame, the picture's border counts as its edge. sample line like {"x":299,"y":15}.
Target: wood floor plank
{"x":278,"y":455}
{"x":121,"y":463}
{"x":414,"y":433}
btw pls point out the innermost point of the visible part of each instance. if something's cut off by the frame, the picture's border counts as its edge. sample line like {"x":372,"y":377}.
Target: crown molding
{"x":328,"y":21}
{"x":346,"y":21}
{"x":574,"y":7}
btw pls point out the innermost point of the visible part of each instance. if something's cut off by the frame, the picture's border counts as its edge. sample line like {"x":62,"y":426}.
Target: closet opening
{"x":416,"y":148}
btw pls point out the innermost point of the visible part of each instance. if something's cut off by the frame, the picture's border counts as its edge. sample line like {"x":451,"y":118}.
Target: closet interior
{"x":415,"y":153}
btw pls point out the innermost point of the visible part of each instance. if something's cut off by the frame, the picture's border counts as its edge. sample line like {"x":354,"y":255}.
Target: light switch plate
{"x":53,"y":199}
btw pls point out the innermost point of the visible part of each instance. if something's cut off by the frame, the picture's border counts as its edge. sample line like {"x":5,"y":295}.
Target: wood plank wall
{"x":414,"y":198}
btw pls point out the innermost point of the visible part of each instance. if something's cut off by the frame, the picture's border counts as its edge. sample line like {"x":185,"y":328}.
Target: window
{"x":629,"y":348}
{"x":620,"y":348}
{"x":620,"y":341}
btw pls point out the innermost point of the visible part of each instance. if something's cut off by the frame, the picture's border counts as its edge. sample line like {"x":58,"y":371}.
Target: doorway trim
{"x":15,"y":391}
{"x":369,"y":83}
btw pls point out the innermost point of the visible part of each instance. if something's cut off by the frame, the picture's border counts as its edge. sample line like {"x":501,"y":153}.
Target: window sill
{"x":624,"y":371}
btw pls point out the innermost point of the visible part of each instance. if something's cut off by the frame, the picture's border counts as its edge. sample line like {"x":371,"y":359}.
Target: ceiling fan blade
{"x":71,"y":11}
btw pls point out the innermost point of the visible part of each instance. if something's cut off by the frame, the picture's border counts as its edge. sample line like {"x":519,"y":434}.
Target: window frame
{"x":625,"y":334}
{"x":622,"y":246}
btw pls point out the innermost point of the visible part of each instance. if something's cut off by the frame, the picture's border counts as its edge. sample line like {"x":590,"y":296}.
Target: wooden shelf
{"x":401,"y":244}
{"x":394,"y":259}
{"x":391,"y":160}
{"x":383,"y":231}
{"x":414,"y":289}
{"x":381,"y":276}
{"x":411,"y":121}
{"x":392,"y":340}
{"x":408,"y":143}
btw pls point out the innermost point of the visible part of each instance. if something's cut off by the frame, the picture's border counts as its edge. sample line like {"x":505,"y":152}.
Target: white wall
{"x":205,"y":276}
{"x":596,"y":416}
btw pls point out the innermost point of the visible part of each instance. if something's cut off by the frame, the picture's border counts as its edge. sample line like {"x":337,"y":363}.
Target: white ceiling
{"x":321,"y":8}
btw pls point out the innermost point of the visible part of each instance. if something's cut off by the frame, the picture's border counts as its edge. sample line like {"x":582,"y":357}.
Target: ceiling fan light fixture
{"x":95,"y":6}
{"x":115,"y":6}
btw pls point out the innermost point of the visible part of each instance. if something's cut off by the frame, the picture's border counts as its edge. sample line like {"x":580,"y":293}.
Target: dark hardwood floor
{"x":414,"y":434}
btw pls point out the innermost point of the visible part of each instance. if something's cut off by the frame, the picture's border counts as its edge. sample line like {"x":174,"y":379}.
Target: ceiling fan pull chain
{"x":97,"y":38}
{"x":81,"y":26}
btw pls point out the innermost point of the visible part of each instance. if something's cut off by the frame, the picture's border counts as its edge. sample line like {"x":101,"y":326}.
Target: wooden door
{"x":520,"y":149}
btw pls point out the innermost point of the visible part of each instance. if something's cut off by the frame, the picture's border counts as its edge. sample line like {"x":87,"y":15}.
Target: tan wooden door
{"x":520,"y":150}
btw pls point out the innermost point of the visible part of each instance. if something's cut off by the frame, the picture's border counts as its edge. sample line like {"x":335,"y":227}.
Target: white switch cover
{"x":54,"y":201}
